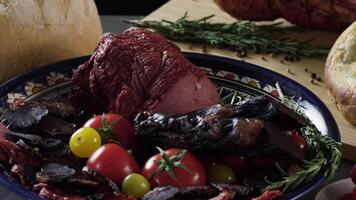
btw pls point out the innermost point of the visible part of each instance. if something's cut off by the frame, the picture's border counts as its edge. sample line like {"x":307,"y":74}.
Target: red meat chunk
{"x":142,"y":71}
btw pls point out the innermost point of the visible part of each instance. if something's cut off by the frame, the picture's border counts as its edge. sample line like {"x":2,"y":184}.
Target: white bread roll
{"x":340,"y":73}
{"x":37,"y":32}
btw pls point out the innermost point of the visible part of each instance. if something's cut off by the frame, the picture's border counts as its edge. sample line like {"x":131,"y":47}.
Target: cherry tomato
{"x":347,"y":196}
{"x":189,"y":173}
{"x":353,"y":174}
{"x":220,"y":173}
{"x":114,"y":124}
{"x":303,"y":145}
{"x":236,"y":162}
{"x":262,"y":163}
{"x":136,"y":185}
{"x":113,"y":162}
{"x":84,"y":142}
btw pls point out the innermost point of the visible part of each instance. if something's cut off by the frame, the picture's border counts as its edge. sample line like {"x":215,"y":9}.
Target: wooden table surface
{"x":200,"y":8}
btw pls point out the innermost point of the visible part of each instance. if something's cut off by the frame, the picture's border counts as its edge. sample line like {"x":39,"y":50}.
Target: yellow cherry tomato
{"x":136,"y":185}
{"x":84,"y":142}
{"x":220,"y":173}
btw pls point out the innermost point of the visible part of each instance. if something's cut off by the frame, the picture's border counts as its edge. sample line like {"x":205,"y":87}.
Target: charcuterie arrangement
{"x":145,"y":123}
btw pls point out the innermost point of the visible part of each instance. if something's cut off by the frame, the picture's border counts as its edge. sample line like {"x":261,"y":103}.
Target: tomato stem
{"x":106,"y":132}
{"x":169,"y":163}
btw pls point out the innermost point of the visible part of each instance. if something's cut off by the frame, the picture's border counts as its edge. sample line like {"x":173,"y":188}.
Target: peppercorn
{"x":241,"y":53}
{"x":205,"y":49}
{"x":313,"y":75}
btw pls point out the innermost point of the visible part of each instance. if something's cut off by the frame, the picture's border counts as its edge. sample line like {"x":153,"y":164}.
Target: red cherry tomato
{"x":121,"y":127}
{"x":195,"y":174}
{"x":113,"y":162}
{"x":353,"y":174}
{"x":303,"y":145}
{"x":347,"y":196}
{"x":236,"y":162}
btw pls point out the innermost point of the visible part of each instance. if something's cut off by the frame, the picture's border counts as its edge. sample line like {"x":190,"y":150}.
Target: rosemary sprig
{"x":233,"y":97}
{"x":324,"y":154}
{"x":330,"y":148}
{"x":326,"y":157}
{"x":305,"y":173}
{"x":239,"y":36}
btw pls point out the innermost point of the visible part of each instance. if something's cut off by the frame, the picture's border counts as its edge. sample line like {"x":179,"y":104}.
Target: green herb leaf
{"x":240,"y":36}
{"x":324,"y":154}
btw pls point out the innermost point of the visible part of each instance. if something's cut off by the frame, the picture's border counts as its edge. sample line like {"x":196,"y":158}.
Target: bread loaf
{"x":37,"y":32}
{"x":332,"y":15}
{"x":340,"y":73}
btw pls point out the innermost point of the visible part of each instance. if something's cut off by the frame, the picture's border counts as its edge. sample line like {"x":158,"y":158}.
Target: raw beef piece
{"x":142,"y":71}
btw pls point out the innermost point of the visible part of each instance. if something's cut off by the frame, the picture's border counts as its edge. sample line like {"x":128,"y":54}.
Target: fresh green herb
{"x":233,"y":97}
{"x":290,"y":102}
{"x":328,"y":146}
{"x":239,"y":36}
{"x":324,"y":155}
{"x":305,"y":173}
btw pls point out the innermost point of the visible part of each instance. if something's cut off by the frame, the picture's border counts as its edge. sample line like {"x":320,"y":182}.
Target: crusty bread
{"x":340,"y":73}
{"x":37,"y":32}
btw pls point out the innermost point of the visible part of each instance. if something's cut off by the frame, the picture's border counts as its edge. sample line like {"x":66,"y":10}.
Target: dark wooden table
{"x":115,"y":24}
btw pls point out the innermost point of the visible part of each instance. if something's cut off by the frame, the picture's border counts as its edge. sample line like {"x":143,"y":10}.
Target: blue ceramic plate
{"x":53,"y":81}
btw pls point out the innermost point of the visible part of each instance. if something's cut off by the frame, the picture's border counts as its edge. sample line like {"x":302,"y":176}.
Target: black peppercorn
{"x":241,"y":53}
{"x":205,"y":49}
{"x":313,"y":75}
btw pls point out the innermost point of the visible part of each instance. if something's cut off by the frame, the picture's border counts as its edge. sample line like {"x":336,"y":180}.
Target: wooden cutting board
{"x":200,"y":8}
